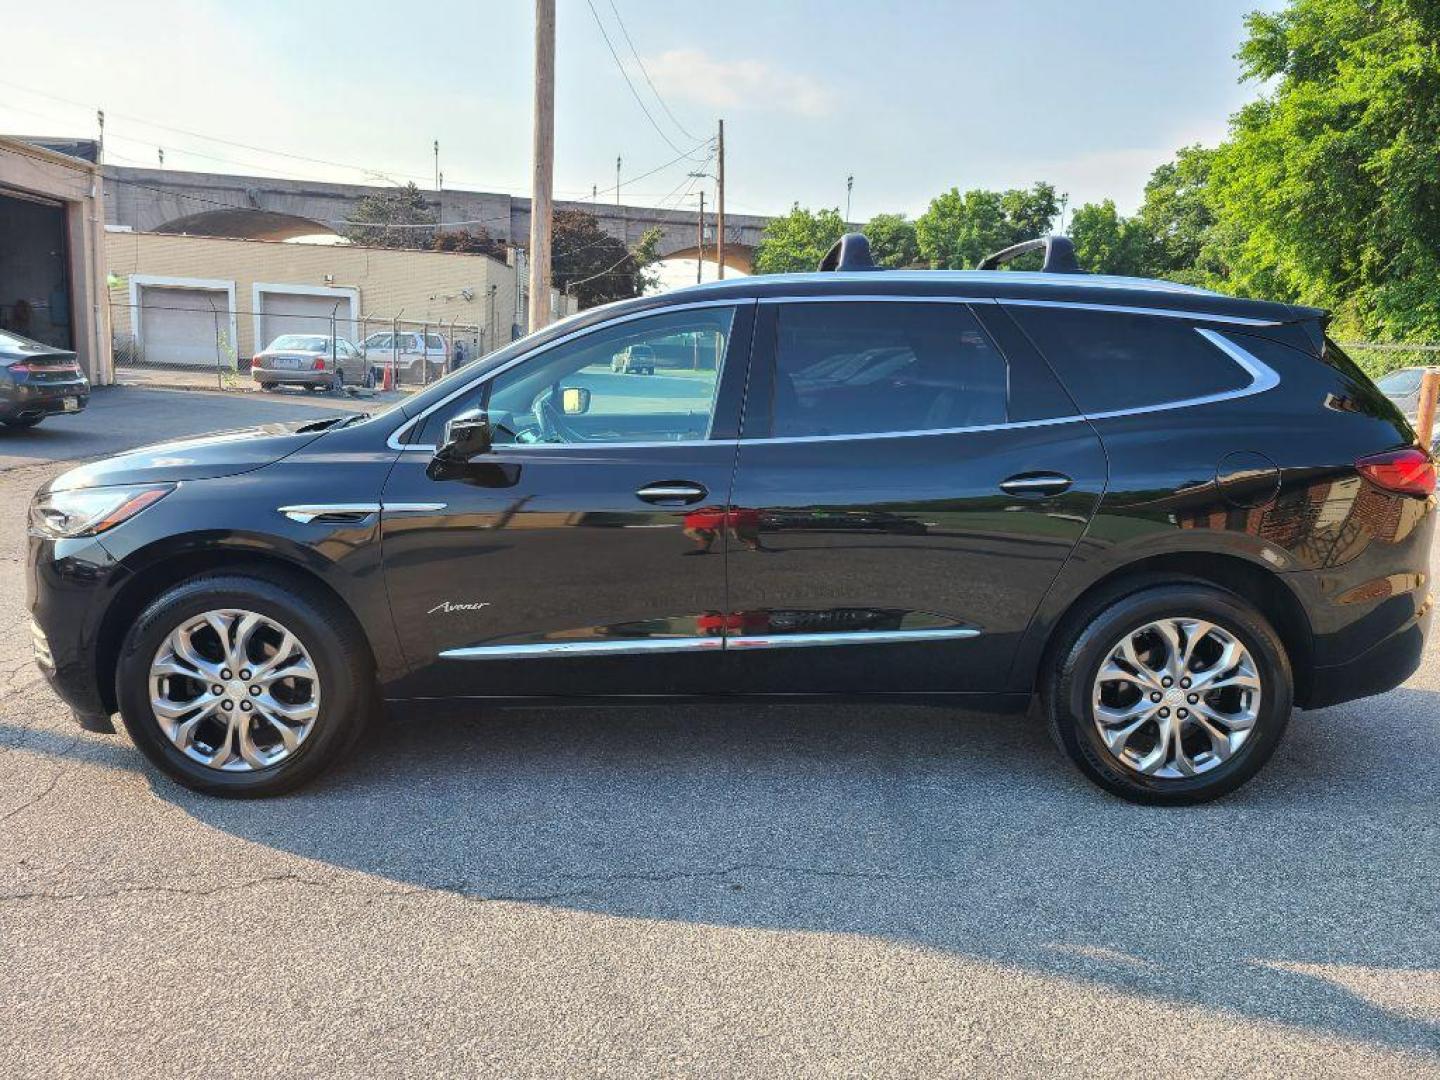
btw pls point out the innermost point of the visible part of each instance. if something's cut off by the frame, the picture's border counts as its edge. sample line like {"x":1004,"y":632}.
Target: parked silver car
{"x":1402,"y":386}
{"x":314,"y":361}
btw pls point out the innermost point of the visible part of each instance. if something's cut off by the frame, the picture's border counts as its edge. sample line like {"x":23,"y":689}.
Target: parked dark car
{"x":37,"y":381}
{"x":1172,"y":515}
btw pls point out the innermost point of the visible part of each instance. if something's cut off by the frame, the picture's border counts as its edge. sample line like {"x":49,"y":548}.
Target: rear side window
{"x":1111,"y":360}
{"x":869,"y":368}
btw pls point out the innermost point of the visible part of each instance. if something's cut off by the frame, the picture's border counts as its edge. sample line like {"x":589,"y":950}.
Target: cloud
{"x":692,"y":75}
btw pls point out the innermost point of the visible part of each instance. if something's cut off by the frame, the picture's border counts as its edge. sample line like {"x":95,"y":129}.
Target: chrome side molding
{"x":639,"y":646}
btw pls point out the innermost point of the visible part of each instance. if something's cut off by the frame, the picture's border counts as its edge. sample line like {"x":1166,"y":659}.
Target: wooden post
{"x":720,"y":205}
{"x":1425,"y":414}
{"x":543,"y":177}
{"x":700,"y":239}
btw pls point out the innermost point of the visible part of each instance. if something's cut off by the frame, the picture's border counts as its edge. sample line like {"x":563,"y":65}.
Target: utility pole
{"x":162,"y":156}
{"x":700,"y":239}
{"x":617,"y":179}
{"x":720,"y":207}
{"x":849,"y":187}
{"x":543,"y":179}
{"x":100,"y":148}
{"x":437,"y":164}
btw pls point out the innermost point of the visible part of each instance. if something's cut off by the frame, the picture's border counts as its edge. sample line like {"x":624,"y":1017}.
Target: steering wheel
{"x":551,"y":421}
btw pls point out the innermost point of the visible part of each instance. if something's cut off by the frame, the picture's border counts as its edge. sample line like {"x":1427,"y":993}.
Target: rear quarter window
{"x":1110,"y":361}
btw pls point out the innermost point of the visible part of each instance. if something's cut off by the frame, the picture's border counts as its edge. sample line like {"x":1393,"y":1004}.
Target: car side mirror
{"x":465,"y":437}
{"x":574,"y":400}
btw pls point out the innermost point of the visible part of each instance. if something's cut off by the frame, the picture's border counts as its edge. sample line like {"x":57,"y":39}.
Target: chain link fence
{"x":192,"y":341}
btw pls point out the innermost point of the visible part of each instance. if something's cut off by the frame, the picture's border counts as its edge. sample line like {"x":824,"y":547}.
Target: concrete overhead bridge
{"x":267,"y":208}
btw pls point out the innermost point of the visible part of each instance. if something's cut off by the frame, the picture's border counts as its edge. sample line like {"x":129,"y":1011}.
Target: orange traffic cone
{"x":388,"y":381}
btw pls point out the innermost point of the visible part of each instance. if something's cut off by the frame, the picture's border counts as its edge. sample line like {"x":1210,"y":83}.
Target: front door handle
{"x":672,"y":493}
{"x":1038,"y":483}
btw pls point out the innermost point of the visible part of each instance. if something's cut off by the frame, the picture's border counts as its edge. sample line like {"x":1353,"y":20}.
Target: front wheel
{"x":24,"y":421}
{"x":244,"y":686}
{"x":1171,"y":695}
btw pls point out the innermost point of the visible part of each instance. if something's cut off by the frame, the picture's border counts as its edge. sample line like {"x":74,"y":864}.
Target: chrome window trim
{"x":1263,"y":378}
{"x":394,"y":440}
{"x":412,"y":507}
{"x":878,"y":298}
{"x":638,"y":646}
{"x":1164,"y":313}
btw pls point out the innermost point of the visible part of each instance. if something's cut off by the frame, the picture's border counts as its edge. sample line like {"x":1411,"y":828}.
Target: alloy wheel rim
{"x":234,"y":690}
{"x":1176,"y":698}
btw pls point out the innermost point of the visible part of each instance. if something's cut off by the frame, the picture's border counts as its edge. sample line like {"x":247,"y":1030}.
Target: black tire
{"x":336,"y":644}
{"x":267,"y":387}
{"x":1085,"y":641}
{"x":24,"y":421}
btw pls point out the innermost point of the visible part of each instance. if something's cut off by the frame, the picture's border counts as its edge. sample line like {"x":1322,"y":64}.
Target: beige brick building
{"x":192,"y":300}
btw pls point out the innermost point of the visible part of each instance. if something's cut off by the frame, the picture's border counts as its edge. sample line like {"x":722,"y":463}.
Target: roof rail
{"x":1059,"y":255}
{"x":850,"y":252}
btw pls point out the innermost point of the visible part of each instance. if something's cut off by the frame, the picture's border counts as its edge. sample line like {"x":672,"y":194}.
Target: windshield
{"x":303,"y":342}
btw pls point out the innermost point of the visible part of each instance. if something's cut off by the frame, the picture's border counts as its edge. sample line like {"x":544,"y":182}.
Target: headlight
{"x":87,"y":511}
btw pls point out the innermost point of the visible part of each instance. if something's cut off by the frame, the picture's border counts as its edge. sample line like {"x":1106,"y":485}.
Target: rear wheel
{"x":267,"y":387}
{"x":1171,"y":695}
{"x":244,"y":686}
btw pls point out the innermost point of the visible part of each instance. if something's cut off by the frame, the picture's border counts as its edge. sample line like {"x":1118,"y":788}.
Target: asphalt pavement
{"x":717,"y":891}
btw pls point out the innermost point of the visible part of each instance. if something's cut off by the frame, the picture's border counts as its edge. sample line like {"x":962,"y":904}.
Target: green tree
{"x":797,"y":241}
{"x":892,"y":241}
{"x":1106,"y":242}
{"x":394,"y":218}
{"x":1179,"y":222}
{"x":592,"y":265}
{"x":1328,"y":188}
{"x":957,"y":231}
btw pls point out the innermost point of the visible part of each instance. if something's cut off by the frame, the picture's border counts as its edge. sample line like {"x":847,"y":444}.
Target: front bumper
{"x":69,"y":585}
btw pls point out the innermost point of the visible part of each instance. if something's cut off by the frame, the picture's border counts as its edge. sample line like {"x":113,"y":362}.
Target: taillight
{"x":319,"y":363}
{"x":1409,"y":472}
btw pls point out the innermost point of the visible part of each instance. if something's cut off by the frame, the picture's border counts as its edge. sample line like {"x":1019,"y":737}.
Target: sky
{"x":909,"y":98}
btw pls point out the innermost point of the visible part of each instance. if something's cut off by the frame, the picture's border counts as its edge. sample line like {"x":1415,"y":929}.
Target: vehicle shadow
{"x":1309,"y":894}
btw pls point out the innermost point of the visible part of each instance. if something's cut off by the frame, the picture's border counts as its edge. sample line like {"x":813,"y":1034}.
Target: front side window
{"x":577,"y":392}
{"x":869,"y":368}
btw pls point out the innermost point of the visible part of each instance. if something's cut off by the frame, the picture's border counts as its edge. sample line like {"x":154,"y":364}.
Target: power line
{"x":626,"y":76}
{"x":643,"y":71}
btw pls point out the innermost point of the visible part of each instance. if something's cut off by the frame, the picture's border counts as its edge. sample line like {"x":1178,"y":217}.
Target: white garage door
{"x":297,"y":313}
{"x":178,"y":326}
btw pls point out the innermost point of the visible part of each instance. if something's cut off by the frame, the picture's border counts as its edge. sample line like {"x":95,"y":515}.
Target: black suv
{"x":1171,"y":514}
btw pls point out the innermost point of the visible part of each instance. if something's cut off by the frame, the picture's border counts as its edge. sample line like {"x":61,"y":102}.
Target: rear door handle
{"x":672,"y":493}
{"x":1042,"y":483}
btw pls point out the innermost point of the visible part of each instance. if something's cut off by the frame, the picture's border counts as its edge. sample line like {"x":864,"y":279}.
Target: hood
{"x":226,"y":453}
